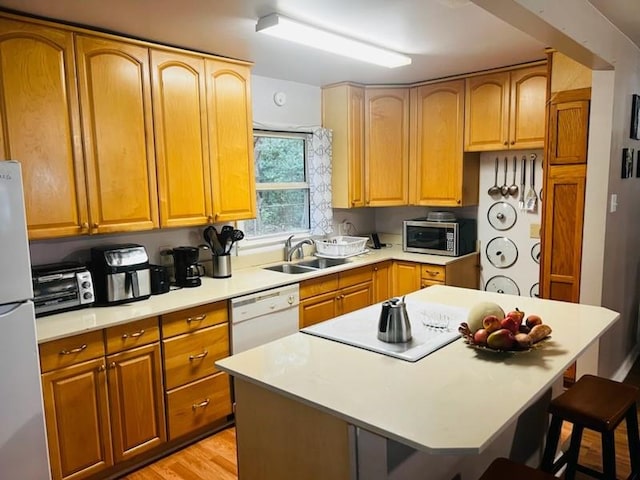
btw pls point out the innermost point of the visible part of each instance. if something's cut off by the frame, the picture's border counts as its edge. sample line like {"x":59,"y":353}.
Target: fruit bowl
{"x":483,"y":348}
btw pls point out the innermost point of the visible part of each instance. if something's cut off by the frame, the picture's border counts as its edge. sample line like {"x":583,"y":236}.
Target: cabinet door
{"x":387,"y":146}
{"x":436,"y":145}
{"x":77,"y":418}
{"x":381,"y":281}
{"x":486,"y":112}
{"x":40,"y":126}
{"x":406,"y":278}
{"x":230,"y":141}
{"x":562,"y":232}
{"x":528,"y":107}
{"x":136,"y":401}
{"x":354,"y":298}
{"x":181,"y":138}
{"x":115,"y":97}
{"x":343,"y":113}
{"x":318,"y":309}
{"x":569,"y":127}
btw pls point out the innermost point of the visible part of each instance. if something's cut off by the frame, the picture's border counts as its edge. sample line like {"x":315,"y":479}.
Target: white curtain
{"x":319,"y":165}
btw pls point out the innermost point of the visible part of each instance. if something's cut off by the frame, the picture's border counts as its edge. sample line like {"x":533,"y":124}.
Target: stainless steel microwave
{"x":453,"y":238}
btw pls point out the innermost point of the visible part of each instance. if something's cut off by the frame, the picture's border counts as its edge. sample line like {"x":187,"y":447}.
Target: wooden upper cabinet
{"x":569,"y":127}
{"x":40,"y":126}
{"x":181,"y":138}
{"x":115,"y":96}
{"x":343,"y":113}
{"x":387,"y":141}
{"x":231,"y":141}
{"x":506,"y":110}
{"x":440,"y":174}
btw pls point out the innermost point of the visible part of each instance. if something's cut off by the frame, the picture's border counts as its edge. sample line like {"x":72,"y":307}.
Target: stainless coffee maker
{"x":187,"y":270}
{"x":120,"y":273}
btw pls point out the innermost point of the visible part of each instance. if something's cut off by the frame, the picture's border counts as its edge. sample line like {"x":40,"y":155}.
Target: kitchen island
{"x":307,"y":407}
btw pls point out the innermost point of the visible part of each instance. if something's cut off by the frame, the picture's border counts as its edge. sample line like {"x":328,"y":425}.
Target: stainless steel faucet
{"x":290,"y":251}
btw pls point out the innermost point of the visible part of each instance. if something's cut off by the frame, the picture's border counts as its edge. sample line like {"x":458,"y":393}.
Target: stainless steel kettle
{"x":394,"y":326}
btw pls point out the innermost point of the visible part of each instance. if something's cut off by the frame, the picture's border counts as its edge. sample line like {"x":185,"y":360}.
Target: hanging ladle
{"x":513,"y":188}
{"x":504,"y":189}
{"x":495,"y":188}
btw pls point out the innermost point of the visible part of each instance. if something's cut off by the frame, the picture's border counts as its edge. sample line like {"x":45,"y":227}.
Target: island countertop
{"x":456,"y":400}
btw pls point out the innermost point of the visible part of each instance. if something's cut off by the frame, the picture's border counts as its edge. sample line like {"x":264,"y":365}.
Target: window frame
{"x":277,"y":238}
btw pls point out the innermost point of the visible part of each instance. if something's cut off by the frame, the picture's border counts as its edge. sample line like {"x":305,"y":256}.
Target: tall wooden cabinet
{"x":564,"y":195}
{"x":387,"y":146}
{"x":115,"y":99}
{"x":343,"y":112}
{"x":40,"y":126}
{"x":506,"y":110}
{"x":181,"y":138}
{"x":231,"y":140}
{"x":441,"y":175}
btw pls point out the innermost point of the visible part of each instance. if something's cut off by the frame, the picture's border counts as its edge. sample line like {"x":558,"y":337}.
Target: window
{"x":282,"y":186}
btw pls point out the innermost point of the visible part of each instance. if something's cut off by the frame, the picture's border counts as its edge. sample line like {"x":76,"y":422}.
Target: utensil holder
{"x":221,"y":266}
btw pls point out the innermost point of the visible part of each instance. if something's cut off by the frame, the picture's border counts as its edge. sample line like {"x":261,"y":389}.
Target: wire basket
{"x":340,"y":246}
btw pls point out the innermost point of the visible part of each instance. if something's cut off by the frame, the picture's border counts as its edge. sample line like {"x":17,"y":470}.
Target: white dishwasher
{"x":262,"y":317}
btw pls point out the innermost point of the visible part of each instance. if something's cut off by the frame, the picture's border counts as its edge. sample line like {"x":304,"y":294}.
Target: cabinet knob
{"x":513,"y":142}
{"x":112,"y":365}
{"x":375,"y":269}
{"x":210,"y":218}
{"x":84,"y":226}
{"x":102,"y":368}
{"x":506,"y":143}
{"x":96,"y":225}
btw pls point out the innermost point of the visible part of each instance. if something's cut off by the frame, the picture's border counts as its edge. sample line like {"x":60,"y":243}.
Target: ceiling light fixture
{"x":282,"y":27}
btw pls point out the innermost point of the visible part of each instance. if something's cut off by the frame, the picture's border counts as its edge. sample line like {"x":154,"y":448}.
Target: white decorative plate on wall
{"x":501,"y":252}
{"x":502,"y":216}
{"x":502,"y":284}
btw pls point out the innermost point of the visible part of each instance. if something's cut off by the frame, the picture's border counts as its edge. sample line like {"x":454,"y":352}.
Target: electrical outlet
{"x":534,"y":230}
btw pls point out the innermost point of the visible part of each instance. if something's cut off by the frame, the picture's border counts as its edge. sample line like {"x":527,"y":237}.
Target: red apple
{"x":510,"y":323}
{"x":517,"y":315}
{"x":533,"y":320}
{"x":491,"y":323}
{"x":480,"y":337}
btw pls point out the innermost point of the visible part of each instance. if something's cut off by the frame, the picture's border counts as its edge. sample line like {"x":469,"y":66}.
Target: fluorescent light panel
{"x":279,"y":26}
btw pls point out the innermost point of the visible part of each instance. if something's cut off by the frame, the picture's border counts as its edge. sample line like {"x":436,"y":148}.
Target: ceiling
{"x":443,"y":37}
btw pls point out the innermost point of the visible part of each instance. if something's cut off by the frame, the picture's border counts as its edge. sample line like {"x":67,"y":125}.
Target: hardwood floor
{"x":214,"y":458}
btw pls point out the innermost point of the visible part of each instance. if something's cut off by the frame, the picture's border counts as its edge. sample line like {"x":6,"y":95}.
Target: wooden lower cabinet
{"x":136,"y":401}
{"x":77,"y":418}
{"x":327,"y":297}
{"x":405,"y":278}
{"x":198,"y":404}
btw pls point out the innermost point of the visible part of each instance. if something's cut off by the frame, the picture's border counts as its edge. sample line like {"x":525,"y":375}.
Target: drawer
{"x":191,"y":356}
{"x":316,"y":286}
{"x":429,"y":283}
{"x":355,"y":276}
{"x":71,"y":350}
{"x":194,"y":318}
{"x":197,"y":404}
{"x":131,"y":335}
{"x":433,"y":272}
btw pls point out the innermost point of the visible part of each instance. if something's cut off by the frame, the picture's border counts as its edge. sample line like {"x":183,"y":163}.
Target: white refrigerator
{"x":23,"y":442}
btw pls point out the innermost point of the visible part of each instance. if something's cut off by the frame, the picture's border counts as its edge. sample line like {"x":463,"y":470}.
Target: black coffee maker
{"x":187,"y":269}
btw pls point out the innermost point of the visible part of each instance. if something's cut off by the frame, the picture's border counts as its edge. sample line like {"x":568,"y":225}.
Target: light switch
{"x":614,"y":202}
{"x":534,"y":230}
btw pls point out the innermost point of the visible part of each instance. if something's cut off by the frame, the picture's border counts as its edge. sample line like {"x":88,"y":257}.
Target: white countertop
{"x":242,"y":282}
{"x":456,"y":400}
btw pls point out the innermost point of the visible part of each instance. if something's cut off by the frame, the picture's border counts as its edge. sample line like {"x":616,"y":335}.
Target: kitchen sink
{"x":290,"y":268}
{"x":323,"y":262}
{"x":307,"y":266}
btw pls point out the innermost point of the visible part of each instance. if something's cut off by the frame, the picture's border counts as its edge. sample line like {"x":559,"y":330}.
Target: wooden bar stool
{"x":598,"y":404}
{"x":505,"y":469}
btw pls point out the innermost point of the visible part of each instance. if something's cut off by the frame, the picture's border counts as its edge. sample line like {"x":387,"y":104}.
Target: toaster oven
{"x":58,"y":287}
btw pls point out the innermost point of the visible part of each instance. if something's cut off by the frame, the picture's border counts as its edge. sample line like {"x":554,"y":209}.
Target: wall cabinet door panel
{"x":528,"y":107}
{"x":136,"y":401}
{"x":181,"y":138}
{"x":40,"y":126}
{"x":115,"y":96}
{"x":487,"y":112}
{"x":231,"y":141}
{"x":387,"y":146}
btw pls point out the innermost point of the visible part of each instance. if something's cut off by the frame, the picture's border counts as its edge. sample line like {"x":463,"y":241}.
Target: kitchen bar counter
{"x":456,"y":401}
{"x":242,"y":282}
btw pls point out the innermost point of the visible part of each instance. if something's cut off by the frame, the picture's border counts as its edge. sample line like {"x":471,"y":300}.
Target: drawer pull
{"x":133,"y":335}
{"x":202,"y":404}
{"x":199,"y":318}
{"x":432,"y":273}
{"x":200,"y":355}
{"x":74,"y":350}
